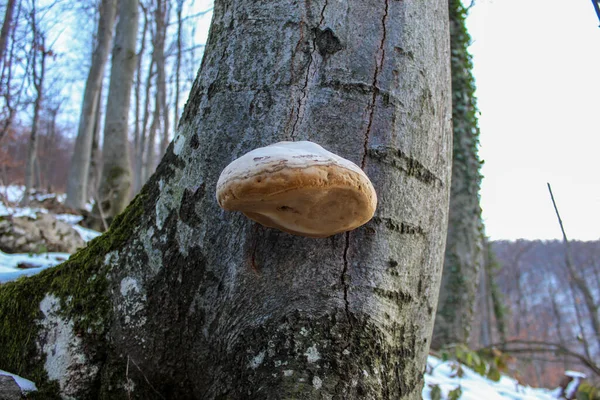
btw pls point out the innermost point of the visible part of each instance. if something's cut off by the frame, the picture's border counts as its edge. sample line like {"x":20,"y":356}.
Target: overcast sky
{"x":537,"y":69}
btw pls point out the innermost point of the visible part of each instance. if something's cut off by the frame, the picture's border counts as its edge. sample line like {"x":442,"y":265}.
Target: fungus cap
{"x":299,"y":188}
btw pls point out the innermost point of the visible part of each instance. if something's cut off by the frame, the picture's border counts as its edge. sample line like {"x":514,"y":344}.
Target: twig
{"x":145,"y":378}
{"x":102,"y":217}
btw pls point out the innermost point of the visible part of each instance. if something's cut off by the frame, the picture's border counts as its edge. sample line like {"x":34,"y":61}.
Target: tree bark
{"x":39,"y":50}
{"x":464,"y":244}
{"x":161,"y":20}
{"x":183,"y":300}
{"x":116,"y":180}
{"x":77,"y":180}
{"x":8,"y":16}
{"x":138,"y":131}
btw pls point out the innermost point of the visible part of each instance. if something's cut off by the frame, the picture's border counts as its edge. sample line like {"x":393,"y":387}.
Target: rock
{"x":9,"y":390}
{"x":40,"y":235}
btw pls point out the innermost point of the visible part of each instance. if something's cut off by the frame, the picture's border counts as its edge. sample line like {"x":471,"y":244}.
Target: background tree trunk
{"x":39,"y":57}
{"x":464,"y":244}
{"x":80,"y":163}
{"x":202,"y":303}
{"x":115,"y":183}
{"x":8,"y":16}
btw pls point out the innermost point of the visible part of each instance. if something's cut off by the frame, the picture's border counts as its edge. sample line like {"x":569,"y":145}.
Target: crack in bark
{"x":343,"y":277}
{"x":302,"y":99}
{"x":378,"y":67}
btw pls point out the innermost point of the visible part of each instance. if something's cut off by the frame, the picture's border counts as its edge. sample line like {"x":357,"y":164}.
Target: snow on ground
{"x":9,"y":270}
{"x":24,"y":384}
{"x":475,"y":386}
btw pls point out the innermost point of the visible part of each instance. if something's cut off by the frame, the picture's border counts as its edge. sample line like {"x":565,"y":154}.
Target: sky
{"x":537,"y":71}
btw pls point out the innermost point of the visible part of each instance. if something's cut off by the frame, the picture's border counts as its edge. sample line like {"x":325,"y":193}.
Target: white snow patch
{"x":25,"y":384}
{"x":317,"y":382}
{"x":85,"y":233}
{"x":288,"y":372}
{"x":257,"y":360}
{"x":575,"y":374}
{"x":9,"y":262}
{"x":312,"y":354}
{"x":475,"y":386}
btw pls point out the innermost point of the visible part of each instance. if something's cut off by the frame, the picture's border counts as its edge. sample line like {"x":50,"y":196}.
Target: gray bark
{"x":116,"y":180}
{"x":206,"y":304}
{"x":77,"y":180}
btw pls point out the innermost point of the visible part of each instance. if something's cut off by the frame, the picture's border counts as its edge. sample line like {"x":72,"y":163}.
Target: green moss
{"x":81,"y":285}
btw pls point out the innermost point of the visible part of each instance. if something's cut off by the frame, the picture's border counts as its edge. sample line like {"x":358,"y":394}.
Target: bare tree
{"x":77,"y":182}
{"x":6,"y":25}
{"x":115,"y":183}
{"x":38,"y":72}
{"x":139,"y":131}
{"x":577,"y":279}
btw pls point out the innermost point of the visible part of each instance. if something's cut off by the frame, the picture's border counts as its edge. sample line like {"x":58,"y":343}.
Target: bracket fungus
{"x":299,"y":188}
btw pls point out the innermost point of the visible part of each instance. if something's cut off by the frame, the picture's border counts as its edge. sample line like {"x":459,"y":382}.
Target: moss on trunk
{"x":81,"y":285}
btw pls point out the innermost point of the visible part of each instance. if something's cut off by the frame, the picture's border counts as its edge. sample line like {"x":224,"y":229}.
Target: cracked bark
{"x":209,"y":306}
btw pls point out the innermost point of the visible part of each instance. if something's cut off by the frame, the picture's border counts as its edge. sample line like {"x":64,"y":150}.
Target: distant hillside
{"x":546,"y":302}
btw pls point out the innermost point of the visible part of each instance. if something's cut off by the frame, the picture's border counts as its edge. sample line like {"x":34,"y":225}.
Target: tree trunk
{"x":77,"y":180}
{"x":178,"y":61}
{"x":138,"y":131}
{"x":8,"y":16}
{"x":464,"y":244}
{"x":95,"y":159}
{"x":160,"y":18}
{"x":115,"y":183}
{"x":39,"y":50}
{"x":183,"y":300}
{"x":485,"y":332}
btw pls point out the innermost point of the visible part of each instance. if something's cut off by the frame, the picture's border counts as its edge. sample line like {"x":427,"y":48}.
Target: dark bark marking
{"x":327,"y":42}
{"x":187,"y":209}
{"x":396,"y":296}
{"x":378,"y":67}
{"x":405,"y":53}
{"x":194,"y":142}
{"x":410,"y":166}
{"x":343,"y":277}
{"x":401,"y":227}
